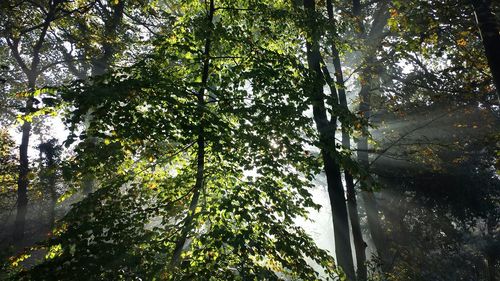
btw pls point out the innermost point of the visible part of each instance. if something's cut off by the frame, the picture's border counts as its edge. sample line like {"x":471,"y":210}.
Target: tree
{"x":371,"y":39}
{"x":109,"y":34}
{"x":326,"y":129}
{"x":175,"y":161}
{"x":346,"y":120}
{"x":14,"y":30}
{"x":425,"y":33}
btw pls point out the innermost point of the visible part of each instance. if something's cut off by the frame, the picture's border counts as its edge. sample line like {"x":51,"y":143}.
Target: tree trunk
{"x":48,"y":176}
{"x":23,"y":181}
{"x":491,"y":260}
{"x":374,"y":222}
{"x":52,"y":207}
{"x":100,"y":66}
{"x":201,"y":147}
{"x":326,"y":131}
{"x":490,"y":34}
{"x":359,"y":243}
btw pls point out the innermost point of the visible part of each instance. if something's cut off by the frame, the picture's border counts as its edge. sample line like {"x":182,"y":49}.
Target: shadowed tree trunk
{"x":490,"y":35}
{"x":373,"y":218}
{"x":359,"y":243}
{"x":23,"y":181}
{"x":326,"y":131}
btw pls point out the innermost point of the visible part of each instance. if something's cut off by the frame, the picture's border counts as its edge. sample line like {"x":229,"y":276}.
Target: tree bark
{"x":326,"y":131}
{"x":359,"y":243}
{"x":188,"y":223}
{"x":490,"y":35}
{"x":23,"y":181}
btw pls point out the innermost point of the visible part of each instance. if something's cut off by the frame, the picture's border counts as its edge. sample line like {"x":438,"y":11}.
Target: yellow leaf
{"x":54,"y":252}
{"x":16,"y":260}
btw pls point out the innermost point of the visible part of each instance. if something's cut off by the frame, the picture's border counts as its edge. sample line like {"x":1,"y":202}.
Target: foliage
{"x":144,"y":121}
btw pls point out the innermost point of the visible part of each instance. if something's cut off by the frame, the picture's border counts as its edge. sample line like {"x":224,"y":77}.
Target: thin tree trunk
{"x":490,"y":35}
{"x":326,"y":131}
{"x":52,"y":207}
{"x":201,"y":147}
{"x":48,"y":177}
{"x":359,"y":243}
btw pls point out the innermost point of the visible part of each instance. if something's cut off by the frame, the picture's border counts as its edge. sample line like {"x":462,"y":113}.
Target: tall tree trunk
{"x":490,"y":34}
{"x":188,"y":223}
{"x":52,"y":207}
{"x":23,"y":181}
{"x":359,"y":243}
{"x":326,"y":131}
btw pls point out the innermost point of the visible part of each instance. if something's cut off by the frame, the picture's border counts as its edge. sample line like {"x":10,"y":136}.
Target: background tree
{"x":27,"y":39}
